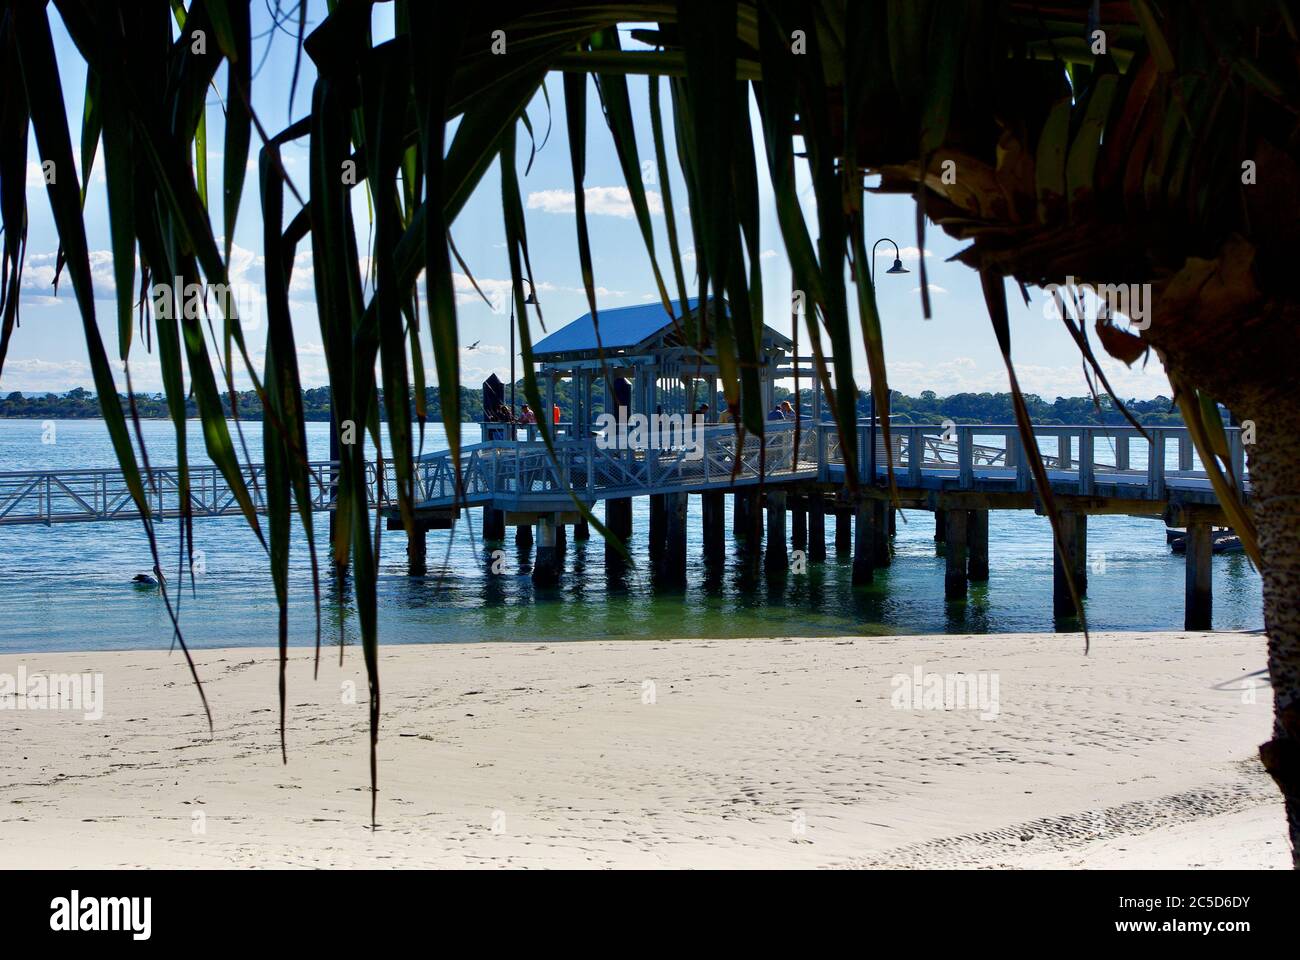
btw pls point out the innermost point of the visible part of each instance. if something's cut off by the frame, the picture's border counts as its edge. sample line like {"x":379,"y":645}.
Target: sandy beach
{"x":848,"y":752}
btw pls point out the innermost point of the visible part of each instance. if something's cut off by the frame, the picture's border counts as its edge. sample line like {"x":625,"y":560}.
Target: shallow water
{"x":68,"y":587}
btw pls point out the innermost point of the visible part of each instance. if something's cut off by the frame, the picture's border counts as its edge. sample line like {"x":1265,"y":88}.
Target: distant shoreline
{"x":927,"y":409}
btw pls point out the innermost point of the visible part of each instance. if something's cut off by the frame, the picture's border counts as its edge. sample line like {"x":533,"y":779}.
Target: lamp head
{"x":898,"y":267}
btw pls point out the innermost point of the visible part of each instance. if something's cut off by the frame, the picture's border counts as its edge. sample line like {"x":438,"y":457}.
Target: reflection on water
{"x":68,"y":587}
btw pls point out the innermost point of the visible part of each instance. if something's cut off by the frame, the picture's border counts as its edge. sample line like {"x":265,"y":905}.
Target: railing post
{"x":1087,"y":474}
{"x":914,"y":456}
{"x":1237,"y":457}
{"x":1023,"y":473}
{"x":1184,"y":452}
{"x":1121,"y":449}
{"x":966,"y":457}
{"x":1156,"y":465}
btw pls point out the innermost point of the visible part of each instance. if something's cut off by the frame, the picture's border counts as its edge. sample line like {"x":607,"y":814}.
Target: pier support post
{"x":524,"y":536}
{"x":879,"y":533}
{"x":863,"y":568}
{"x":817,"y":528}
{"x":494,"y":524}
{"x":546,"y":565}
{"x":893,"y":522}
{"x":714,"y":522}
{"x":561,"y":538}
{"x":1074,"y":533}
{"x":940,"y":526}
{"x":657,"y":528}
{"x":582,"y":529}
{"x":843,"y":531}
{"x":799,"y":523}
{"x":1199,"y":600}
{"x":954,"y":577}
{"x":776,"y":558}
{"x":977,"y":542}
{"x":618,"y":519}
{"x":671,"y":566}
{"x":417,"y":551}
{"x":748,"y":518}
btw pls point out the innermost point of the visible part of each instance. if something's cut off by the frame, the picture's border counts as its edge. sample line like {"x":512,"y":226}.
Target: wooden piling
{"x":843,"y":531}
{"x":582,"y":529}
{"x":977,"y":543}
{"x":417,"y":551}
{"x":1198,"y":604}
{"x":893,"y":522}
{"x":618,"y":520}
{"x":561,"y":538}
{"x":1074,"y":533}
{"x":954,"y":577}
{"x":776,"y":558}
{"x":524,"y":536}
{"x":546,"y":565}
{"x":798,"y":523}
{"x":657,"y":528}
{"x":494,"y":525}
{"x":879,"y":534}
{"x":714,"y":522}
{"x":671,"y":564}
{"x":747,"y":517}
{"x":864,"y":520}
{"x":817,"y":528}
{"x":940,"y":526}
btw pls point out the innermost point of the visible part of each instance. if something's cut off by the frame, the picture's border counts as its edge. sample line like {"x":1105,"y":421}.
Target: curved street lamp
{"x":871,"y":397}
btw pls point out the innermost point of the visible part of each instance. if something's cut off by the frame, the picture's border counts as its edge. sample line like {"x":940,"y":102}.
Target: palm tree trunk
{"x":1215,"y":328}
{"x":1275,"y":486}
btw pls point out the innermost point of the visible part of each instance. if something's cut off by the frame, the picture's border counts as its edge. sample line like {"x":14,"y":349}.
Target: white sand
{"x":1138,"y":755}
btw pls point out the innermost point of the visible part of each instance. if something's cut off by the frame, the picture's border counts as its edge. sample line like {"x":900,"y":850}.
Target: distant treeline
{"x":927,"y":408}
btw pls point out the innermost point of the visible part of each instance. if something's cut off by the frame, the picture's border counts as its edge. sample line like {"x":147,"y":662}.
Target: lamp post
{"x":532,"y":299}
{"x":871,"y":397}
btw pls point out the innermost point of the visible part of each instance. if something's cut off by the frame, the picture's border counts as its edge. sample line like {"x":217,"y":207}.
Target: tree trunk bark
{"x":1231,"y":326}
{"x":1275,"y":494}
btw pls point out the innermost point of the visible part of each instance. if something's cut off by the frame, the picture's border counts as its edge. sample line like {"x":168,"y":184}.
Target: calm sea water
{"x":69,"y":587}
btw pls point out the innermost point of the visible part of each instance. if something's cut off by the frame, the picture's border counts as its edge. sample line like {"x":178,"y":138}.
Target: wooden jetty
{"x":783,"y":487}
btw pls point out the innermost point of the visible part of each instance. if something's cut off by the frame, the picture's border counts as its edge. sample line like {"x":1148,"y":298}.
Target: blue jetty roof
{"x":620,"y":328}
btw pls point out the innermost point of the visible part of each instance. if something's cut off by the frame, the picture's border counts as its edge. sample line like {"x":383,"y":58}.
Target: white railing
{"x":1085,"y":455}
{"x":71,"y":496}
{"x":961,"y":457}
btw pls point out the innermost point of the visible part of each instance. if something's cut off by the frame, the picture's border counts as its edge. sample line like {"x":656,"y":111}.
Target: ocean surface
{"x":69,"y":587}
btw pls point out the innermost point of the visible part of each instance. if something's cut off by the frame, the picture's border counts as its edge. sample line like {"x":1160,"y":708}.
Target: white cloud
{"x":498,"y":290}
{"x":601,"y":201}
{"x":40,"y":376}
{"x":966,"y":375}
{"x":912,"y":253}
{"x":934,"y":288}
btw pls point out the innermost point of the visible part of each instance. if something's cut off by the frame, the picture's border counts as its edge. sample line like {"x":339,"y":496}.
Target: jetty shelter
{"x":642,"y":361}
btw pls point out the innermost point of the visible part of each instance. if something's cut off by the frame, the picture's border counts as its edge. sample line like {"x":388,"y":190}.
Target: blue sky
{"x":955,"y":351}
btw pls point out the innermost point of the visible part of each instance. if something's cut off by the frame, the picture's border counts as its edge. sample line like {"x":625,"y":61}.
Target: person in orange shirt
{"x":555,"y":414}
